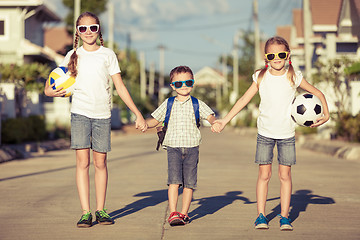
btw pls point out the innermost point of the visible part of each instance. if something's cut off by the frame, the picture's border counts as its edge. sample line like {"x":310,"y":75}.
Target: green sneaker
{"x":103,"y":218}
{"x":85,"y":220}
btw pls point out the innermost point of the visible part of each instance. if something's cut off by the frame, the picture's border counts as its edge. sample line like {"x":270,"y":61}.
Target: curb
{"x":26,"y":150}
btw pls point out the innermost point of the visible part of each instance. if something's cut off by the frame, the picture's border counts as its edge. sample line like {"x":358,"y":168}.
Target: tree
{"x":26,"y":77}
{"x":246,"y":66}
{"x":335,"y":75}
{"x":332,"y":73}
{"x":95,"y":6}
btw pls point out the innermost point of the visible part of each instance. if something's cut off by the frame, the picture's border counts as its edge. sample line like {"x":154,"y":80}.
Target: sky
{"x":194,"y":32}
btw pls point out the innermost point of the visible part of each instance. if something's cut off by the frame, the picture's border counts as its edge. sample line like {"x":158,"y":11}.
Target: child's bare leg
{"x":285,"y":189}
{"x":101,"y":178}
{"x":173,"y":193}
{"x":186,"y":201}
{"x":82,"y":177}
{"x":262,"y":187}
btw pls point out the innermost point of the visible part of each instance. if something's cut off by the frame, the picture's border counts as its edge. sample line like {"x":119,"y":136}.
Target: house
{"x":22,"y":41}
{"x":22,"y":33}
{"x":324,"y":30}
{"x":57,"y":38}
{"x":207,"y":76}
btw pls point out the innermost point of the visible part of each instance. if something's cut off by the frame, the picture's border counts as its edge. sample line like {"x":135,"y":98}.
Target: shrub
{"x":348,"y":127}
{"x":19,"y":130}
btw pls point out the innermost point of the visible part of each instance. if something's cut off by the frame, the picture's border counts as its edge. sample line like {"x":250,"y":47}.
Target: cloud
{"x":139,"y":15}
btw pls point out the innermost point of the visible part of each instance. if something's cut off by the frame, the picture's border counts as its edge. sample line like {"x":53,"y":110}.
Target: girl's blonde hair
{"x":72,"y":66}
{"x":280,"y":41}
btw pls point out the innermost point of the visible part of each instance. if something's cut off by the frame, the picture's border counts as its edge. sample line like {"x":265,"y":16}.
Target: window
{"x":346,"y":48}
{"x":2,"y":27}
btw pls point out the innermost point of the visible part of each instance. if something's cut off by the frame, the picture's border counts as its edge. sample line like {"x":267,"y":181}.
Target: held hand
{"x":218,"y":126}
{"x":141,"y":124}
{"x":320,"y":121}
{"x":49,"y":91}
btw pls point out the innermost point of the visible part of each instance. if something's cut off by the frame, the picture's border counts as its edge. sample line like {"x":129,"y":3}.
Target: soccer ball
{"x":306,"y":109}
{"x":61,"y":77}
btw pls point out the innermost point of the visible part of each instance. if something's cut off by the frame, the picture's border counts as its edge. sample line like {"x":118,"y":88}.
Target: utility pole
{"x":235,"y":92}
{"x":142,"y":76}
{"x":111,"y":40}
{"x":161,"y":78}
{"x":224,"y":72}
{"x":151,"y":79}
{"x":111,"y":25}
{"x":256,"y":35}
{"x":307,"y":35}
{"x":77,"y":9}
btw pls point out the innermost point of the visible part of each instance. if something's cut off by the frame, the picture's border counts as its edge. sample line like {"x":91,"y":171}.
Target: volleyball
{"x":61,"y":77}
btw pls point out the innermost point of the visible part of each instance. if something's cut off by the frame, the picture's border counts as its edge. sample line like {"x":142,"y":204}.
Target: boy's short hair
{"x":180,"y":69}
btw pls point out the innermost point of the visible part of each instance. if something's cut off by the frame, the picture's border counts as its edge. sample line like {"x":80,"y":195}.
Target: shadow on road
{"x":151,"y":199}
{"x":211,"y":205}
{"x":299,"y":202}
{"x":137,"y":155}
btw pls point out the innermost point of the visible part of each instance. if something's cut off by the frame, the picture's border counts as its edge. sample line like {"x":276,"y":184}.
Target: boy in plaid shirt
{"x":181,"y":141}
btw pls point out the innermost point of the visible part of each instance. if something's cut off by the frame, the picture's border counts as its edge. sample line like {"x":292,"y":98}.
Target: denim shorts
{"x":182,"y":166}
{"x":265,"y":150}
{"x":90,"y":133}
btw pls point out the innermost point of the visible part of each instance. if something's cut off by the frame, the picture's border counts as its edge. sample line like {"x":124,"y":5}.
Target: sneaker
{"x":261,"y":222}
{"x":185,"y":218}
{"x":103,"y":218}
{"x":85,"y":220}
{"x":285,"y":224}
{"x":175,"y":219}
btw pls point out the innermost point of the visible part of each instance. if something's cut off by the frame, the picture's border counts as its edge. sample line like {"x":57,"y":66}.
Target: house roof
{"x":285,"y":32}
{"x":325,"y":12}
{"x":38,"y":6}
{"x":208,"y":76}
{"x":57,"y":38}
{"x":298,"y":22}
{"x":21,"y":3}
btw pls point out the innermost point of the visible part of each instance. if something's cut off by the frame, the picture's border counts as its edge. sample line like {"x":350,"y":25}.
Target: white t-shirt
{"x":276,"y":95}
{"x":91,"y":96}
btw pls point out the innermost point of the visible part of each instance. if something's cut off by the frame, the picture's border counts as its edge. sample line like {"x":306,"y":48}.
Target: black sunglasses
{"x":179,"y":84}
{"x":94,"y":28}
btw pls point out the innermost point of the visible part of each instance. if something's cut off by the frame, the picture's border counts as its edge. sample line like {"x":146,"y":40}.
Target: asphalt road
{"x":38,"y":196}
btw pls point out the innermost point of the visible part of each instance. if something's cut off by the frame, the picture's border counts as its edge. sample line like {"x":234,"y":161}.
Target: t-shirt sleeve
{"x":298,"y":78}
{"x":255,"y":76}
{"x":159,"y":113}
{"x":66,"y":59}
{"x":113,"y":67}
{"x":205,"y":110}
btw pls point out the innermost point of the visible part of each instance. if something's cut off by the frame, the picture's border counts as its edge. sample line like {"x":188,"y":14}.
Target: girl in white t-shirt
{"x":277,"y":87}
{"x":92,"y":65}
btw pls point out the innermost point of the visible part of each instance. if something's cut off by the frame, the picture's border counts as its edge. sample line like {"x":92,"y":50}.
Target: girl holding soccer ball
{"x":92,"y":65}
{"x":277,"y":85}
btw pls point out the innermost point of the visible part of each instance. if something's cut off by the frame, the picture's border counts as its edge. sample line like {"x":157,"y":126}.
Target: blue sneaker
{"x":261,"y":222}
{"x":285,"y":224}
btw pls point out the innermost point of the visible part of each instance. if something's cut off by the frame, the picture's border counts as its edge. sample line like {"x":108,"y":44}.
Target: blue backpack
{"x":162,"y":132}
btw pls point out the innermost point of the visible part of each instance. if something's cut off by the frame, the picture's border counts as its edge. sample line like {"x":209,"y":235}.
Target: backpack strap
{"x":168,"y":111}
{"x":195,"y":103}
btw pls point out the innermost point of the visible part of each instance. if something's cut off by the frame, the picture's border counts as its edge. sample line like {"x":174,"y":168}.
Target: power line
{"x":190,"y":28}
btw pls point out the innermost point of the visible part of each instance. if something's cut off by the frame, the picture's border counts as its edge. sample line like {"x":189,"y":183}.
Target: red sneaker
{"x":175,"y":219}
{"x":185,"y":218}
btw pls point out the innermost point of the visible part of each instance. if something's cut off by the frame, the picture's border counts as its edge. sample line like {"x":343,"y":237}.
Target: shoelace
{"x":85,"y":216}
{"x":284,"y":219}
{"x":261,"y":218}
{"x":103,"y":213}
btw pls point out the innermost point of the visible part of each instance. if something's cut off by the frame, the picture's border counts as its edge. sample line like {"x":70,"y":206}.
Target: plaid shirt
{"x":182,"y":130}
